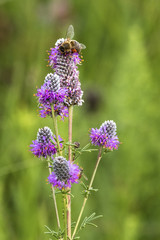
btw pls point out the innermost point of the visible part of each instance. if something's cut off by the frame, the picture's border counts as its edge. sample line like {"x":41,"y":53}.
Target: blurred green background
{"x":120,"y":78}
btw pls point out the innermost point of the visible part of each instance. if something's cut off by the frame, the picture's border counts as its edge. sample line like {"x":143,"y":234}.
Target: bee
{"x":82,"y":174}
{"x":69,"y":45}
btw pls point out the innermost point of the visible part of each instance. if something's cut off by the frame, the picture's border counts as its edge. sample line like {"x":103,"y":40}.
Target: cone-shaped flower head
{"x":45,"y":144}
{"x":105,"y":136}
{"x":52,"y":81}
{"x":44,"y":135}
{"x":64,"y":173}
{"x":65,"y":66}
{"x":61,"y":169}
{"x":51,"y":93}
{"x":109,"y":128}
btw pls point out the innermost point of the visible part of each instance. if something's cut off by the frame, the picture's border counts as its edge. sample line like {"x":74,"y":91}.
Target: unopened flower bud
{"x":109,"y":127}
{"x":44,"y":135}
{"x":61,"y":168}
{"x":52,"y":81}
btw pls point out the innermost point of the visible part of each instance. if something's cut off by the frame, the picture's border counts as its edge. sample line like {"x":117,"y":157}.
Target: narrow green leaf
{"x":85,"y":147}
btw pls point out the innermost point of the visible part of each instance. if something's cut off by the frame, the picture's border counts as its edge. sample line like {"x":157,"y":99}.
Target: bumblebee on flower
{"x":64,"y":58}
{"x":61,"y":90}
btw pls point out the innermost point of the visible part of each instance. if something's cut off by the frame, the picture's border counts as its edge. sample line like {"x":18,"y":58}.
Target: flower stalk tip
{"x":105,"y":136}
{"x":45,"y":144}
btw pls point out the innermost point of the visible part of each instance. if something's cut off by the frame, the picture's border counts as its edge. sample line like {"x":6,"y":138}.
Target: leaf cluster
{"x":77,"y":151}
{"x":88,"y":221}
{"x":58,"y":235}
{"x":87,"y":190}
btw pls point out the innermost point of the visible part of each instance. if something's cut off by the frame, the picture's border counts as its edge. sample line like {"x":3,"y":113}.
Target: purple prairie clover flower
{"x":45,"y":110}
{"x":64,"y":173}
{"x":109,"y":128}
{"x":105,"y":136}
{"x":59,"y":109}
{"x":45,"y":144}
{"x":65,"y":66}
{"x":50,"y":92}
{"x":56,"y":58}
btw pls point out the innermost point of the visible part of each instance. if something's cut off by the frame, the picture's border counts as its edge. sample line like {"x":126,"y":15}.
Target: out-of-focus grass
{"x":120,"y":78}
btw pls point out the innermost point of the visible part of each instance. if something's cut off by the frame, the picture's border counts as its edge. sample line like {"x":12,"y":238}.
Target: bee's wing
{"x":82,"y":46}
{"x":70,"y":32}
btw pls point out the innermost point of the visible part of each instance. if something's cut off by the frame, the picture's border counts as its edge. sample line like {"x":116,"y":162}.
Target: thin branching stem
{"x":70,"y":117}
{"x":54,"y":199}
{"x":56,"y":129}
{"x":65,"y":216}
{"x":86,"y":196}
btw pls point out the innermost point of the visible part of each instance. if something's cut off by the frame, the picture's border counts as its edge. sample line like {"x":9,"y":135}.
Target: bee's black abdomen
{"x":61,"y":48}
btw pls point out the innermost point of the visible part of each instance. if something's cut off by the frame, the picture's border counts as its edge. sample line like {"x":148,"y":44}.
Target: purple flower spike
{"x":51,"y":93}
{"x":105,"y":136}
{"x":64,"y":173}
{"x":45,"y":144}
{"x":47,"y":96}
{"x":65,"y":66}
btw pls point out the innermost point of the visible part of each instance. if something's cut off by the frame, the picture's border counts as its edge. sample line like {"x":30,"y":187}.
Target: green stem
{"x":70,"y":117}
{"x":56,"y":129}
{"x":65,"y":216}
{"x":86,"y":197}
{"x":54,"y":199}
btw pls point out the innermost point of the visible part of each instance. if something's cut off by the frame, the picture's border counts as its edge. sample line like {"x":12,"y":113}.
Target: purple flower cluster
{"x":65,"y":66}
{"x":105,"y":136}
{"x":59,"y":109}
{"x":47,"y":96}
{"x":45,"y":144}
{"x":64,"y":173}
{"x":51,"y":93}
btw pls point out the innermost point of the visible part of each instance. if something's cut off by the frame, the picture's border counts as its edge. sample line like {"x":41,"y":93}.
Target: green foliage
{"x":52,"y":233}
{"x":120,"y":79}
{"x":88,"y":221}
{"x":87,"y":190}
